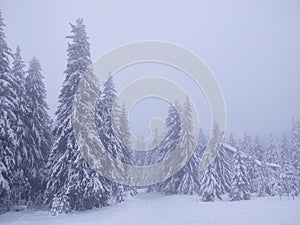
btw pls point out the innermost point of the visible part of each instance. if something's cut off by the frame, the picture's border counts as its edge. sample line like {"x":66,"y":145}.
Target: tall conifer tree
{"x":72,"y":184}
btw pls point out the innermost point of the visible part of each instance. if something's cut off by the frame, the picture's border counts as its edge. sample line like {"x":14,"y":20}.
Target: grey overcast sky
{"x":252,"y":47}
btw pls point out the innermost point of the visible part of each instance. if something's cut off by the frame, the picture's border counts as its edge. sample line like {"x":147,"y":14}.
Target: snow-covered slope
{"x":150,"y":209}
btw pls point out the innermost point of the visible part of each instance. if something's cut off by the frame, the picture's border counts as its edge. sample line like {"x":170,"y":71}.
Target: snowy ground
{"x":149,"y":209}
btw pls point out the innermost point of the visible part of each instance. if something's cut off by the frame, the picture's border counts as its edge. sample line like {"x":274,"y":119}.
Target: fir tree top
{"x":5,"y":51}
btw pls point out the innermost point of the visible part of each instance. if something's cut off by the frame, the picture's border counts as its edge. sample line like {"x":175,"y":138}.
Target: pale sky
{"x":252,"y":47}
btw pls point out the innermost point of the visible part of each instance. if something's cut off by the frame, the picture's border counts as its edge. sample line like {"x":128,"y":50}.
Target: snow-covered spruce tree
{"x":168,"y":144}
{"x":261,"y":176}
{"x":252,"y":169}
{"x":107,"y":132}
{"x":240,"y":188}
{"x":104,"y":118}
{"x":222,"y":163}
{"x":202,"y":142}
{"x":223,"y":168}
{"x":8,"y":118}
{"x":21,"y":187}
{"x":188,"y":175}
{"x":272,"y":154}
{"x":4,"y":188}
{"x":38,"y":141}
{"x":258,"y":148}
{"x":288,"y":180}
{"x":60,"y":204}
{"x":186,"y":180}
{"x":284,"y":151}
{"x":71,"y":182}
{"x":210,"y":188}
{"x":295,"y":144}
{"x":264,"y":180}
{"x":211,"y":183}
{"x":295,"y":148}
{"x":125,"y":135}
{"x":202,"y":139}
{"x":246,"y":145}
{"x":156,"y":143}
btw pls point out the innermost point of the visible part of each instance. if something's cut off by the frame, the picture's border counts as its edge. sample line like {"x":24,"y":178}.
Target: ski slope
{"x":152,"y":209}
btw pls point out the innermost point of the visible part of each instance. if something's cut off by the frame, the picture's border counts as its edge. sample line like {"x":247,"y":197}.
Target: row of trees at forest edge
{"x":41,"y":165}
{"x":25,"y":137}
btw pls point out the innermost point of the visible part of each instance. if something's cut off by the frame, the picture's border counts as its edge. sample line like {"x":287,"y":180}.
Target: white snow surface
{"x":152,"y":209}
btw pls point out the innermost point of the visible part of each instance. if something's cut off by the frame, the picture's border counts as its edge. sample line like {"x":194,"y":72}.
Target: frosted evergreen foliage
{"x":240,"y":183}
{"x":8,"y":120}
{"x":71,"y":179}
